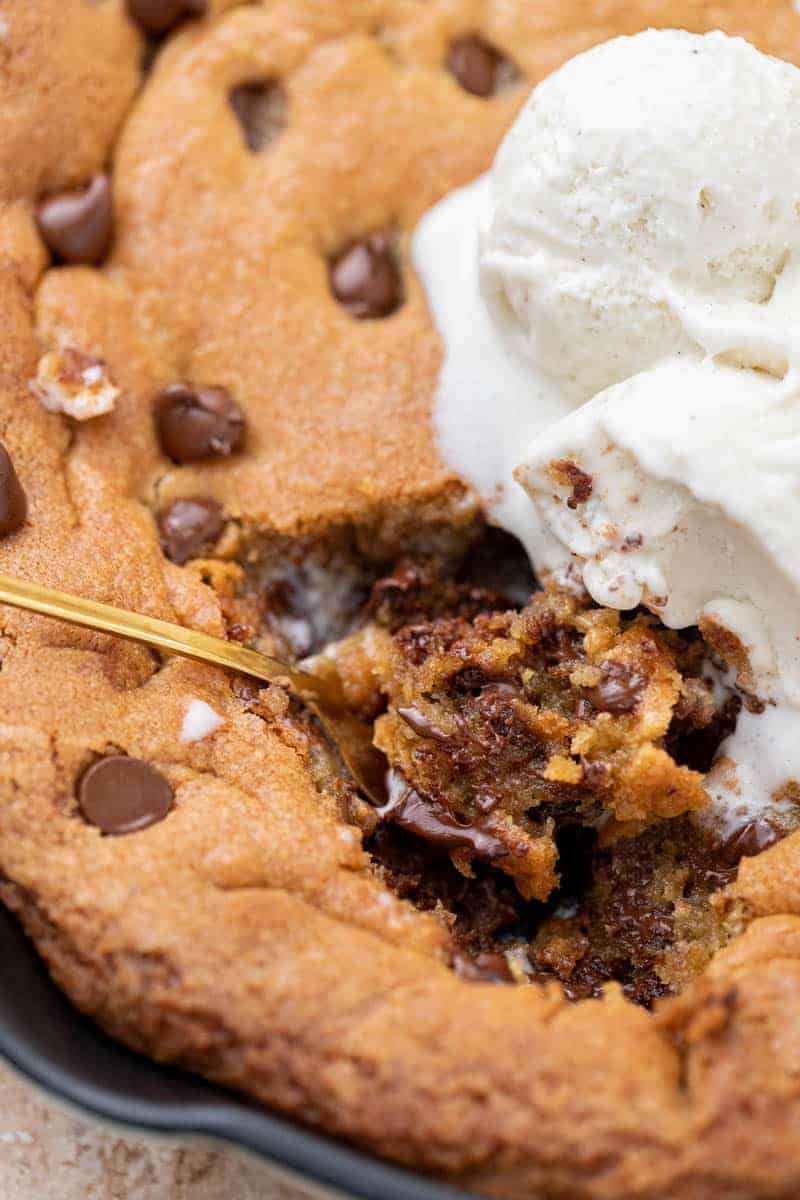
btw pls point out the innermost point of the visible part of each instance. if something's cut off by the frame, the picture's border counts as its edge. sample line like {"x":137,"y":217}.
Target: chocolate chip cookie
{"x":533,"y":973}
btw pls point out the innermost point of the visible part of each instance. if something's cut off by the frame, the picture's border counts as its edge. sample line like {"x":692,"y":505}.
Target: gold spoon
{"x":352,"y":737}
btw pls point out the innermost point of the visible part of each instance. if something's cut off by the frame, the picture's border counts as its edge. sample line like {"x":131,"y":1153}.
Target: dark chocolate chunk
{"x":366,"y":280}
{"x":484,"y":968}
{"x":747,"y":841}
{"x":77,"y":225}
{"x":159,"y":16}
{"x":472,"y":680}
{"x":693,"y":740}
{"x":619,"y":690}
{"x":484,"y":905}
{"x":429,"y":820}
{"x":198,"y":422}
{"x":261,"y":110}
{"x":190,"y":526}
{"x":475,"y":64}
{"x":13,"y":501}
{"x":123,"y":795}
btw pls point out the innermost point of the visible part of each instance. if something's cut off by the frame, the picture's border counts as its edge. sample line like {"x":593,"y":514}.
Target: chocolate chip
{"x":159,"y":16}
{"x":13,"y":501}
{"x":619,"y":690}
{"x":475,"y":64}
{"x":261,"y":110}
{"x":195,"y":423}
{"x":750,"y":839}
{"x":484,"y":968}
{"x":190,"y":526}
{"x":366,"y":279}
{"x":123,"y":795}
{"x":77,"y":225}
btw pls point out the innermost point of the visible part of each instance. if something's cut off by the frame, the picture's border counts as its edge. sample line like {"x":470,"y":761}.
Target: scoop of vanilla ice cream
{"x":646,"y":203}
{"x":689,"y":503}
{"x":623,"y":295}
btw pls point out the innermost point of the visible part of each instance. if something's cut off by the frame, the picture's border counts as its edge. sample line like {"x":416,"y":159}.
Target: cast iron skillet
{"x":48,"y":1040}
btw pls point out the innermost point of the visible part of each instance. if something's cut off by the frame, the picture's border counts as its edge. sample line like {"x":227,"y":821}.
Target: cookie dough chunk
{"x":504,"y":727}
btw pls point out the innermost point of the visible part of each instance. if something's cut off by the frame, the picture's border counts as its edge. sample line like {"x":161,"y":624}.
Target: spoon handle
{"x":163,"y":635}
{"x":352,"y":737}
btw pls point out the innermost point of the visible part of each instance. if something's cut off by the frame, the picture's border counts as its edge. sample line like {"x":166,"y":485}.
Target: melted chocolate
{"x":429,"y":820}
{"x":421,"y":725}
{"x":619,"y":690}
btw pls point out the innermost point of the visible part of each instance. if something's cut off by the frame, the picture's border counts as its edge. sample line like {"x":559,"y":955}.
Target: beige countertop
{"x":48,"y":1154}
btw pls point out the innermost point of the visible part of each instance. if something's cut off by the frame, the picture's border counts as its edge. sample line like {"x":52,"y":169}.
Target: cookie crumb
{"x":566,"y":473}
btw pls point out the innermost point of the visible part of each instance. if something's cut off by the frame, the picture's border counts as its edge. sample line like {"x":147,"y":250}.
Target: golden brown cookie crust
{"x":245,"y":936}
{"x":68,"y":72}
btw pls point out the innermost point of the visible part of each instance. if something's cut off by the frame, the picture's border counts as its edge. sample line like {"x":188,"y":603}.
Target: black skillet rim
{"x":46,"y":1039}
